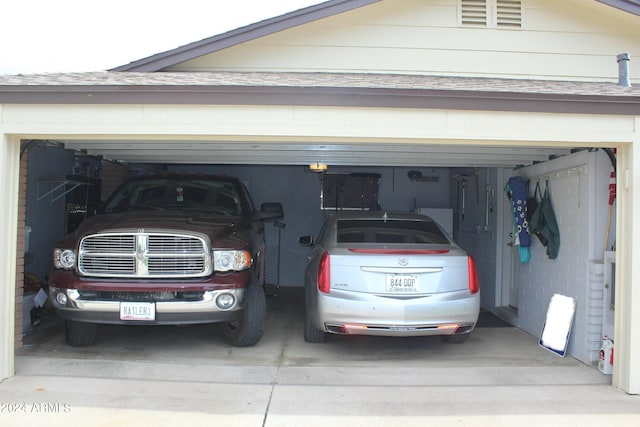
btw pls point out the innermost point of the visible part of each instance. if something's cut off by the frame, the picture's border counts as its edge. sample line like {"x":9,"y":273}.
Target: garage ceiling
{"x":305,"y":153}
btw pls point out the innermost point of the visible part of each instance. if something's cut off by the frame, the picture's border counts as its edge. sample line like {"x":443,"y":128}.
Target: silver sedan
{"x":389,"y":274}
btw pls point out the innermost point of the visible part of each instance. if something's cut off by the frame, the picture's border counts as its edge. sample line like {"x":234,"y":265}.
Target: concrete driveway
{"x":188,"y":376}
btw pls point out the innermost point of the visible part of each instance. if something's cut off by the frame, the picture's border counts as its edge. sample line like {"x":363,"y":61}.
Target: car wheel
{"x":311,"y":333}
{"x":248,"y":329}
{"x":80,"y":334}
{"x":457,"y":339}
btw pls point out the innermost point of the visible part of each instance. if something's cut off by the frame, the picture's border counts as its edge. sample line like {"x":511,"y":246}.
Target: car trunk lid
{"x":401,"y":271}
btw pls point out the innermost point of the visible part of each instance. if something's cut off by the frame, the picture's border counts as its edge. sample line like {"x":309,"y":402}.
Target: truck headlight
{"x":231,"y":260}
{"x":64,"y":258}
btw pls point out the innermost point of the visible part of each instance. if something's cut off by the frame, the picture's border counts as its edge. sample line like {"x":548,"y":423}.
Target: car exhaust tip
{"x":337,"y":329}
{"x":463,"y":329}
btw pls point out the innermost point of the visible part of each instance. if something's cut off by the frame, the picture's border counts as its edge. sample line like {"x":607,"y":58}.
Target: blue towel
{"x":518,"y":193}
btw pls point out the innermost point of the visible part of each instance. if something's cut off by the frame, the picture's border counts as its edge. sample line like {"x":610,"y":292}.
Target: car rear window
{"x":389,"y":231}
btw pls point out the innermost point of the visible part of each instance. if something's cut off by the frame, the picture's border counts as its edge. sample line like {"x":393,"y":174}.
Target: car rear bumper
{"x":203,"y":310}
{"x":369,"y":314}
{"x":399,"y":330}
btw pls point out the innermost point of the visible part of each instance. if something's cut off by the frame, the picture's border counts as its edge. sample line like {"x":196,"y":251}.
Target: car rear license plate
{"x":403,"y":283}
{"x":137,"y":311}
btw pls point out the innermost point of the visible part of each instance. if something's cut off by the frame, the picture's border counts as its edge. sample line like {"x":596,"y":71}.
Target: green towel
{"x":543,"y":222}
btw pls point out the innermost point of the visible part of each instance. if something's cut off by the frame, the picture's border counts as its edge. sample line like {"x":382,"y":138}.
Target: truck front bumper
{"x":212,"y":306}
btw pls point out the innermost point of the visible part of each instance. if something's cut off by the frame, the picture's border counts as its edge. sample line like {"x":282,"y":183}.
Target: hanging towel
{"x":517,"y":193}
{"x":544,"y":224}
{"x":533,"y":203}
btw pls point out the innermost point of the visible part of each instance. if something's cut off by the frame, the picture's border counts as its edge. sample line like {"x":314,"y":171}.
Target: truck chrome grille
{"x":140,"y":255}
{"x":173,"y":244}
{"x":100,"y":264}
{"x":165,"y":265}
{"x":110,"y":243}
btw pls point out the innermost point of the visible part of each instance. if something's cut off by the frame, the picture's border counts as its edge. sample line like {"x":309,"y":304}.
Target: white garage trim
{"x":89,"y":125}
{"x":299,"y":135}
{"x":626,"y":373}
{"x":9,"y":169}
{"x":243,"y":123}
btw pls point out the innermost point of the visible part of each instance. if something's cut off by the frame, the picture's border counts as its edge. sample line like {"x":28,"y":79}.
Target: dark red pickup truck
{"x":166,"y":250}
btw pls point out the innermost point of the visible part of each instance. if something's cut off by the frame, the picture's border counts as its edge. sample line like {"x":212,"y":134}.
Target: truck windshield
{"x":219,"y":197}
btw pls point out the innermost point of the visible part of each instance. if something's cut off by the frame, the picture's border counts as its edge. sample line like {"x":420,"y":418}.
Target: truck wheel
{"x":311,"y":333}
{"x":79,"y":334}
{"x":248,"y":329}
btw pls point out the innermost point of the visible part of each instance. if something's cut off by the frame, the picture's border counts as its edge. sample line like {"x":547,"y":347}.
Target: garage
{"x":433,"y":142}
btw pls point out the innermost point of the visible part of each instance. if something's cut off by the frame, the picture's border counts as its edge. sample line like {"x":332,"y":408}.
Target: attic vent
{"x":491,"y":13}
{"x":474,"y":12}
{"x":509,"y":13}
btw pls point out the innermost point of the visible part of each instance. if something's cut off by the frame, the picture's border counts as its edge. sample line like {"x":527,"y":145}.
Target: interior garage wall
{"x":45,"y":216}
{"x":579,"y":190}
{"x":299,"y":191}
{"x":579,"y":193}
{"x":476,"y":231}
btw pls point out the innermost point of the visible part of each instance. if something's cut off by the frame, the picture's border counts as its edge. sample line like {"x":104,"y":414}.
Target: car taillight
{"x":324,"y":274}
{"x":474,"y":282}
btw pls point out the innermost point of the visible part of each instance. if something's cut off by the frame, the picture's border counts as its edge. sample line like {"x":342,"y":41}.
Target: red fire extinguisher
{"x":605,"y":359}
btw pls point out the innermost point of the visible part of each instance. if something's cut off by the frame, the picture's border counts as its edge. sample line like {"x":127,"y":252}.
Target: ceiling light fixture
{"x":318,"y":167}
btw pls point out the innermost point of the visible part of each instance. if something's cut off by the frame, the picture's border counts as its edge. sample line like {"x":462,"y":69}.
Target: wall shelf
{"x":58,"y":188}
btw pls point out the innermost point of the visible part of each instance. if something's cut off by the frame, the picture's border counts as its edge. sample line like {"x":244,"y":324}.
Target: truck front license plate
{"x":137,"y":311}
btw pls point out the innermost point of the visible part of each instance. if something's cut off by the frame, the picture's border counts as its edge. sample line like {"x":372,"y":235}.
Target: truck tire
{"x":248,"y":329}
{"x":80,"y":334}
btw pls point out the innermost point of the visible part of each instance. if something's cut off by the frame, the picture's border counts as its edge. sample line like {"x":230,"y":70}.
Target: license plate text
{"x":402,"y":283}
{"x":137,"y":311}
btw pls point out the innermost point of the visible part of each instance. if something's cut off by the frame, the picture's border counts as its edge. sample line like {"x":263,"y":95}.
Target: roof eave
{"x":209,"y":45}
{"x":321,"y":97}
{"x":632,"y":7}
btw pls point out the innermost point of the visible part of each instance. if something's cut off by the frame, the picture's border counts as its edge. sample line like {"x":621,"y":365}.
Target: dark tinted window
{"x":389,"y":231}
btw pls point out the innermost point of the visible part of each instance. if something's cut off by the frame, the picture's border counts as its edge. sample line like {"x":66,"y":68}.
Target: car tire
{"x":455,"y":339}
{"x":311,"y":333}
{"x":248,"y":329}
{"x":80,"y":334}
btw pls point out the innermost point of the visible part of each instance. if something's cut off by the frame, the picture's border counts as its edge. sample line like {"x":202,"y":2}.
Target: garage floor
{"x":188,"y":375}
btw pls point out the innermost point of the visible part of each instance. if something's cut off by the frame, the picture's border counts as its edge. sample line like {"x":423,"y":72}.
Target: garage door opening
{"x":66,"y":181}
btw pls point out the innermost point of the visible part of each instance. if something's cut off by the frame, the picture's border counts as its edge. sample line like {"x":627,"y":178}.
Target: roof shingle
{"x":122,"y":80}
